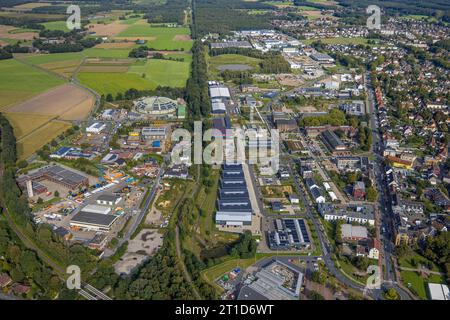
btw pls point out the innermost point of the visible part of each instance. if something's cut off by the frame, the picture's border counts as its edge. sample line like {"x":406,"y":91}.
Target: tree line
{"x":197,"y":85}
{"x":16,"y":202}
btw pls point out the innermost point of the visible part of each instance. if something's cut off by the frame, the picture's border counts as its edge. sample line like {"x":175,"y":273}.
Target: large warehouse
{"x":57,"y":174}
{"x":289,"y":234}
{"x":233,"y":211}
{"x":92,"y":221}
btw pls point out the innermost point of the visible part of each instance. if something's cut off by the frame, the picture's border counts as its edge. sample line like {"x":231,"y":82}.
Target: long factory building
{"x":233,"y":206}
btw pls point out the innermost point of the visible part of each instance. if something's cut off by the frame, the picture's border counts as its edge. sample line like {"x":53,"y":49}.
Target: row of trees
{"x":132,"y":94}
{"x":336,"y":117}
{"x":224,"y":16}
{"x":24,"y":266}
{"x":16,"y":203}
{"x":197,"y":85}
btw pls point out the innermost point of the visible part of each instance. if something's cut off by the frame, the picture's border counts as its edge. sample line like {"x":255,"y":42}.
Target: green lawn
{"x":224,"y":59}
{"x":164,"y":37}
{"x":418,"y":284}
{"x":19,"y":82}
{"x":406,"y":260}
{"x":56,"y":25}
{"x":211,"y":274}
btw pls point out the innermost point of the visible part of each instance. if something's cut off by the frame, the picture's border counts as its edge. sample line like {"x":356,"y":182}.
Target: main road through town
{"x":322,"y":237}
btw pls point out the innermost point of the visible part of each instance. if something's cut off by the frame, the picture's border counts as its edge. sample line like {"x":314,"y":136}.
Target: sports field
{"x":19,"y":82}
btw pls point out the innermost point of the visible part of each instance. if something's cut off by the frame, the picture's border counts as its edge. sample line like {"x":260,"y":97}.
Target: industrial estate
{"x":97,"y":171}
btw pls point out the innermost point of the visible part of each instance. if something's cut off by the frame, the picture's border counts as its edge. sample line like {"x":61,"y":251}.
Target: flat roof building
{"x":332,"y":141}
{"x":57,"y":174}
{"x":438,"y":291}
{"x":353,"y":233}
{"x":108,"y":200}
{"x":277,"y":280}
{"x":289,"y":234}
{"x":219,"y":91}
{"x":230,"y":44}
{"x":96,"y":127}
{"x":218,"y":106}
{"x":234,"y":206}
{"x":96,"y":209}
{"x":93,"y":221}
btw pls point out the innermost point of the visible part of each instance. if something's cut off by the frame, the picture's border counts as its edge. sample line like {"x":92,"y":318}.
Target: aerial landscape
{"x":224,"y":150}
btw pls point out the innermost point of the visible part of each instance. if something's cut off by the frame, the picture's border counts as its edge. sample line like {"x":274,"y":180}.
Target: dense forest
{"x":197,"y":85}
{"x":15,"y":201}
{"x":223,"y":16}
{"x":171,"y":11}
{"x":74,"y":41}
{"x":22,"y":265}
{"x":272,"y":62}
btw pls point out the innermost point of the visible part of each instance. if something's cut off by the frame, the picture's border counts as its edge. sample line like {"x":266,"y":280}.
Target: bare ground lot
{"x":66,"y":101}
{"x":182,"y":37}
{"x":4,"y":33}
{"x":146,"y":243}
{"x":108,"y":30}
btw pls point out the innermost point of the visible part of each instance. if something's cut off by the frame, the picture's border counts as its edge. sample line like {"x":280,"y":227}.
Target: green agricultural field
{"x":306,"y":8}
{"x":106,"y":53}
{"x":18,"y":82}
{"x":164,"y":72}
{"x":56,"y":25}
{"x":156,"y":73}
{"x":38,"y":59}
{"x":104,"y":83}
{"x":22,"y":30}
{"x":131,"y":21}
{"x":160,"y":38}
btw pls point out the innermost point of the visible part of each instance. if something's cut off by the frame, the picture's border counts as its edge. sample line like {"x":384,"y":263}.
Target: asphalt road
{"x":384,"y":204}
{"x":144,"y":209}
